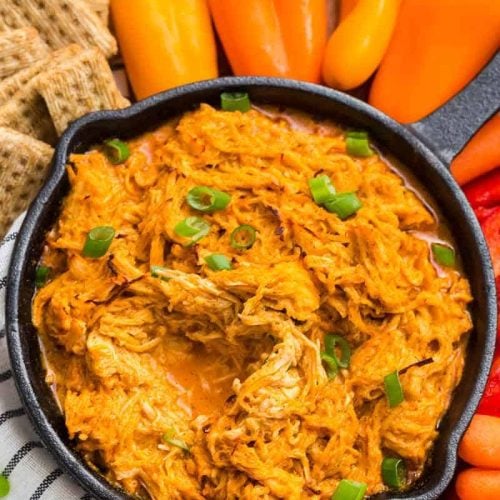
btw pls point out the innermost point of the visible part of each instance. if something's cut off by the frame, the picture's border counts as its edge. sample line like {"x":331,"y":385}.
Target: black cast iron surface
{"x":316,"y":100}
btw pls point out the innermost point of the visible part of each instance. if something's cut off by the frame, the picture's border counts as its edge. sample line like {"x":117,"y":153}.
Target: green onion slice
{"x":331,"y":366}
{"x":194,"y":228}
{"x":218,"y":262}
{"x":170,"y":438}
{"x":344,"y":205}
{"x":235,"y":101}
{"x":41,"y":276}
{"x":393,"y":389}
{"x":331,"y":342}
{"x":394,"y":472}
{"x":206,"y":199}
{"x":443,"y":254}
{"x":116,"y":151}
{"x":4,"y":486}
{"x":160,"y":272}
{"x":98,"y":241}
{"x":321,"y":188}
{"x":349,"y":490}
{"x":243,"y":237}
{"x":357,"y":143}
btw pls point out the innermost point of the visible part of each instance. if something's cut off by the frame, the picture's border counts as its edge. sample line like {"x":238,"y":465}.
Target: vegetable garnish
{"x":357,"y":144}
{"x":321,"y":188}
{"x":235,"y":101}
{"x":344,"y":204}
{"x":331,"y":366}
{"x":41,"y":276}
{"x":394,"y":472}
{"x":194,"y":228}
{"x":159,"y":272}
{"x":349,"y":490}
{"x":206,"y":199}
{"x":393,"y":389}
{"x":4,"y":486}
{"x":443,"y":254}
{"x":98,"y":241}
{"x":243,"y":237}
{"x":218,"y":262}
{"x":170,"y":438}
{"x":331,"y":342}
{"x":116,"y":151}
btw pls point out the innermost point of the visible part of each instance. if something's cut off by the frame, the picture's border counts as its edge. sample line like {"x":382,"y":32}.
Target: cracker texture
{"x":27,"y":113}
{"x":19,"y":49}
{"x":16,"y":82}
{"x":59,"y":22}
{"x":24,"y":163}
{"x":80,"y":86}
{"x":101,"y":8}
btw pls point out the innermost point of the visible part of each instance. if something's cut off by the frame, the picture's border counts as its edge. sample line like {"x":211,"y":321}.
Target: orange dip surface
{"x":210,"y":384}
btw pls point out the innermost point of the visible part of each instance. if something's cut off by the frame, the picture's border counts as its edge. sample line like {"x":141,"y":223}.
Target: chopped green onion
{"x":331,"y":366}
{"x":169,"y":437}
{"x":41,"y":276}
{"x":321,"y":188}
{"x":194,"y":228}
{"x":206,"y":199}
{"x":218,"y":262}
{"x":235,"y":101}
{"x":349,"y":490}
{"x":98,"y":241}
{"x":331,"y":342}
{"x":4,"y":486}
{"x":393,"y":389}
{"x":243,"y":237}
{"x":116,"y":151}
{"x":443,"y":254}
{"x":159,"y":272}
{"x":357,"y":144}
{"x":344,"y":204}
{"x":394,"y":472}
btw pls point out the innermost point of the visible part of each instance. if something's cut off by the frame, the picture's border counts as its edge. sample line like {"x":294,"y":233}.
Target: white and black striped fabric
{"x":32,"y":472}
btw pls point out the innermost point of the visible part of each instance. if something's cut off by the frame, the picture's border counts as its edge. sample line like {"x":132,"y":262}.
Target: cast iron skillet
{"x":444,"y":132}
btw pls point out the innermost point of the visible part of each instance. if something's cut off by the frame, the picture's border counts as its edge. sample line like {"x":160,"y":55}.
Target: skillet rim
{"x":92,"y":481}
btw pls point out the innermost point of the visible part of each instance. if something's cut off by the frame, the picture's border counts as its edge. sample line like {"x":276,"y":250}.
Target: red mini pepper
{"x":490,"y":403}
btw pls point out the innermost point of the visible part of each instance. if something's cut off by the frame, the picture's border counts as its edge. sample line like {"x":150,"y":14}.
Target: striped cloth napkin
{"x":32,"y":472}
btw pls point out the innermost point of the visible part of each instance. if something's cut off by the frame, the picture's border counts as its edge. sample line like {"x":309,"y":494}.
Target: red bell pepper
{"x":484,"y":191}
{"x":490,"y":403}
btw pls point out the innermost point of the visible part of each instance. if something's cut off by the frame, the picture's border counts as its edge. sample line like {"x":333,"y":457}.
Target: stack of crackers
{"x":53,"y":69}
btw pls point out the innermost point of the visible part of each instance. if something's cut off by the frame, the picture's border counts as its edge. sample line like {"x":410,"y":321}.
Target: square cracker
{"x":27,"y":113}
{"x":59,"y":22}
{"x":24,"y":163}
{"x":19,"y":49}
{"x":101,"y":8}
{"x":79,"y":86}
{"x":17,"y":81}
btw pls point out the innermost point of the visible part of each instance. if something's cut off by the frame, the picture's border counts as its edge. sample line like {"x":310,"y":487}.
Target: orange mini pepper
{"x":438,"y":46}
{"x":481,"y":154}
{"x":346,"y":7}
{"x":357,"y":46}
{"x":164,"y":43}
{"x":282,"y":38}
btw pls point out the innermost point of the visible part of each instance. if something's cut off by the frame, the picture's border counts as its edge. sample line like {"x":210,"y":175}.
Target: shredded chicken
{"x":227,"y":364}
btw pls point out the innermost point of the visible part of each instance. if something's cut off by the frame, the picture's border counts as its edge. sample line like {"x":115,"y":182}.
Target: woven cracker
{"x":17,"y":81}
{"x":27,"y":112}
{"x":19,"y":49}
{"x":59,"y":22}
{"x":24,"y":163}
{"x":101,"y":8}
{"x":79,"y":86}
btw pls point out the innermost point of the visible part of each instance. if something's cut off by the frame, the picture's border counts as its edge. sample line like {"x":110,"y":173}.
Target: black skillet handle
{"x":448,"y":129}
